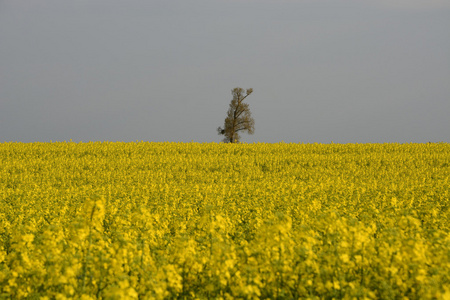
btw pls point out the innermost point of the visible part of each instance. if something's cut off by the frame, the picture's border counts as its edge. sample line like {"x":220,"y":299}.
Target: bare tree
{"x":238,"y":117}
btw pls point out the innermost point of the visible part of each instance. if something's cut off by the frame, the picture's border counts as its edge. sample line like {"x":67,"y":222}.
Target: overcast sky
{"x":115,"y":70}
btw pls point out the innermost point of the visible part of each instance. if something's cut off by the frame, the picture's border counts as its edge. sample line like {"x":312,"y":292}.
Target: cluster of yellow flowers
{"x":145,"y":220}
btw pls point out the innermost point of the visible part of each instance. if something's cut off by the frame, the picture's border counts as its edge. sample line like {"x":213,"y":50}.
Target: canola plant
{"x":112,"y":220}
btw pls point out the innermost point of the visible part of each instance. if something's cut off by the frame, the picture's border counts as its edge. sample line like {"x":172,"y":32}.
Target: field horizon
{"x":158,"y":220}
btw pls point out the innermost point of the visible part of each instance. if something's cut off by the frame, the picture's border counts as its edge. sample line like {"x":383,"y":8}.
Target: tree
{"x":238,"y":117}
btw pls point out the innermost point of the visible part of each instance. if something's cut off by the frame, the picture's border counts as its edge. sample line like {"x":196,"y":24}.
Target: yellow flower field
{"x":224,"y":221}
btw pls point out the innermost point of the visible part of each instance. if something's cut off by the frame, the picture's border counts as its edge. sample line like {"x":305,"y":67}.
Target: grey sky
{"x":343,"y":71}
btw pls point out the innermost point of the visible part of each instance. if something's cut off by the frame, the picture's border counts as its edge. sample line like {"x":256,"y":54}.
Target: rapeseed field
{"x":112,"y":220}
